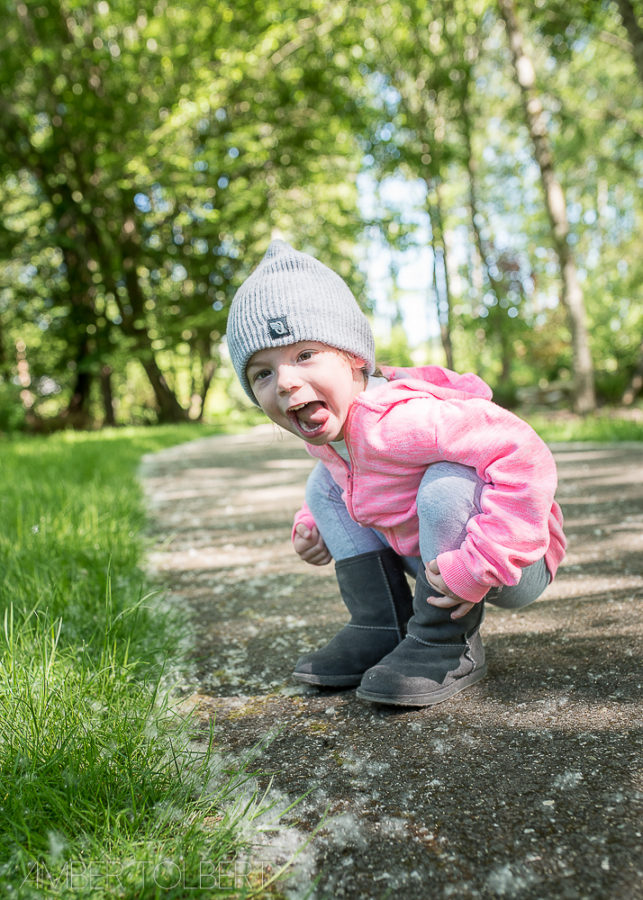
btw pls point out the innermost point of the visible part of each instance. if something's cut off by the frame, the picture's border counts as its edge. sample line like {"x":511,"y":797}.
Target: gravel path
{"x":527,"y":785}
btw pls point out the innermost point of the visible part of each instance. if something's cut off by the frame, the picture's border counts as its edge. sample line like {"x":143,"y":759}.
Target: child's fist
{"x":450,"y":600}
{"x":309,"y":544}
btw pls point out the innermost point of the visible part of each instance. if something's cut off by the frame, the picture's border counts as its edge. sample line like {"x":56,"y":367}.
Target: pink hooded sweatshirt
{"x":426,"y":415}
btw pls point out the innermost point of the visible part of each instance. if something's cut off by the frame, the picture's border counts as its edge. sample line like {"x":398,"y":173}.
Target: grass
{"x":104,"y":789}
{"x":607,"y":426}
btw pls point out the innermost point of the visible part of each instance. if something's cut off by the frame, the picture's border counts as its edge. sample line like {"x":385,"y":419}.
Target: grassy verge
{"x":104,"y":792}
{"x":602,"y":427}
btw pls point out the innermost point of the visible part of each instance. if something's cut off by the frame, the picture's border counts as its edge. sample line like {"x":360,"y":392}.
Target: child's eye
{"x":306,"y":354}
{"x":260,"y":375}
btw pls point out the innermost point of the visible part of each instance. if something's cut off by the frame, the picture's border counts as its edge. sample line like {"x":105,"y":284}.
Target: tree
{"x":572,"y":295}
{"x":634,"y":30}
{"x":148,"y":156}
{"x":415,"y":66}
{"x":160,"y":150}
{"x":595,"y":121}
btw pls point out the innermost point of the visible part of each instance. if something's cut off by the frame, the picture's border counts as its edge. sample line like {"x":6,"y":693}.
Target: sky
{"x":414,"y":265}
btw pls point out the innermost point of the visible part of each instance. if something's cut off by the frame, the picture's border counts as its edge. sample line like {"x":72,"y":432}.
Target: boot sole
{"x":428,"y":699}
{"x":328,"y":680}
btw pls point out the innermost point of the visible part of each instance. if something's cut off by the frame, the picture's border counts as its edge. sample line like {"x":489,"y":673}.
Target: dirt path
{"x":528,"y":785}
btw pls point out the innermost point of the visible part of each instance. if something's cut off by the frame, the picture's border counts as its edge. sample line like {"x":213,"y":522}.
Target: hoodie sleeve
{"x":302,"y":517}
{"x":512,"y":529}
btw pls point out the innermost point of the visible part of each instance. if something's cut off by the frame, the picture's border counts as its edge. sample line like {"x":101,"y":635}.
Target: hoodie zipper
{"x":350,"y":468}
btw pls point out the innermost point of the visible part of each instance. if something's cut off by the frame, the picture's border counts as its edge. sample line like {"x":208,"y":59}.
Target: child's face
{"x":307,"y":388}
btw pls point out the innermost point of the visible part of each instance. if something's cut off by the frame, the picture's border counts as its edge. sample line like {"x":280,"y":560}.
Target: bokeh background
{"x":472,"y":168}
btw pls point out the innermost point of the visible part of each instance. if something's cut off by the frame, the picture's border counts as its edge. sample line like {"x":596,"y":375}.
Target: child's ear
{"x":357,"y":362}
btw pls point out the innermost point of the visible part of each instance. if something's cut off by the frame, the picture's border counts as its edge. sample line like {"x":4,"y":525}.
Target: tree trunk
{"x":484,"y":251}
{"x":108,"y":396}
{"x":442,"y":290}
{"x":209,"y":368}
{"x":635,"y":386}
{"x":572,"y":294}
{"x":80,"y":291}
{"x":77,"y":412}
{"x":4,"y":359}
{"x":203,"y":368}
{"x":634,"y":32}
{"x":170,"y":410}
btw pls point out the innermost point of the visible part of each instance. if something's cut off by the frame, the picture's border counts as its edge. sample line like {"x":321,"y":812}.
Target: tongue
{"x":313,"y":414}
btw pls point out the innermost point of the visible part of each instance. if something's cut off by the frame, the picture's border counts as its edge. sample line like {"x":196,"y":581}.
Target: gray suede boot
{"x":375,"y":590}
{"x":439,"y":656}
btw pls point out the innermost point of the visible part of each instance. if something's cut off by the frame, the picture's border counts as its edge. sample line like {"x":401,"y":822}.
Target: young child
{"x":418,"y":472}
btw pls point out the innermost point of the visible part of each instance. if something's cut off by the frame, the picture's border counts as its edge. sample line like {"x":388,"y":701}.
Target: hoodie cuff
{"x":302,"y":517}
{"x":458,"y":578}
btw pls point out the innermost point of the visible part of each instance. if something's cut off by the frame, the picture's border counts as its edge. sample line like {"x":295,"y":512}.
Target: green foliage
{"x":451,"y":117}
{"x":147,"y":157}
{"x":396,"y":351}
{"x":143,"y":174}
{"x":12,"y":414}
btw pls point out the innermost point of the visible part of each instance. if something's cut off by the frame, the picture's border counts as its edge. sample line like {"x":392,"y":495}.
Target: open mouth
{"x":309,"y":418}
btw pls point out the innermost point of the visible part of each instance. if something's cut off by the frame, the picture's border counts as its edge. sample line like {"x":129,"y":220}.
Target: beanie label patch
{"x":278,"y":328}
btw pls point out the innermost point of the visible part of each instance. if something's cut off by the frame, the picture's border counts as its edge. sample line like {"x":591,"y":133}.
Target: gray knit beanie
{"x":292,"y":297}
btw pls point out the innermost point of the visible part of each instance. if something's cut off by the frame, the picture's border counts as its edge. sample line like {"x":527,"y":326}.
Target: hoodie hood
{"x":442,"y":383}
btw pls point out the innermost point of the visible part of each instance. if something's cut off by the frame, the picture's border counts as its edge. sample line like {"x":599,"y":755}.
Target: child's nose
{"x":287,"y":378}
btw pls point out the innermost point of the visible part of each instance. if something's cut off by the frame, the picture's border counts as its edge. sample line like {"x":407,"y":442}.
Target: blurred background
{"x":472,"y":168}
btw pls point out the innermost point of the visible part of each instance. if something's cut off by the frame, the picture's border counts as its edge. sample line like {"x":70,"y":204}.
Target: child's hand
{"x":450,"y":599}
{"x":309,"y":544}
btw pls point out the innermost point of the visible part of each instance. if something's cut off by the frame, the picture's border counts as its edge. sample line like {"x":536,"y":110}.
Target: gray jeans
{"x":448,"y":496}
